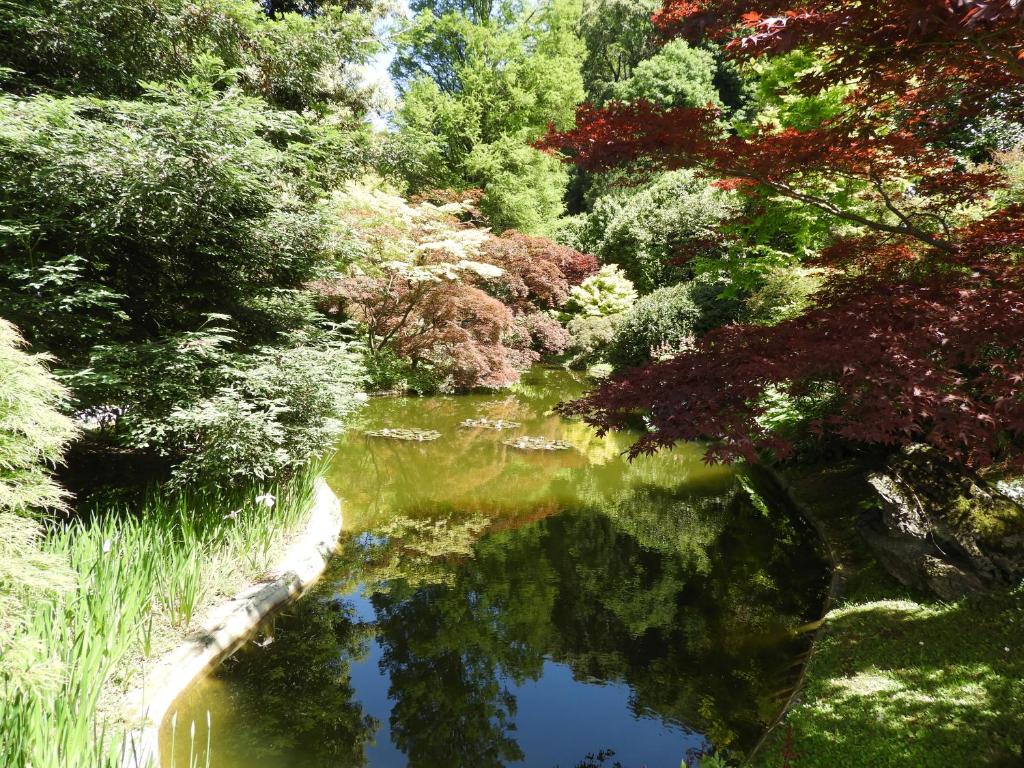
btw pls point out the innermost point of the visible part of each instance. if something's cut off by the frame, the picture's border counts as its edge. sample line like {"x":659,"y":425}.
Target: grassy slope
{"x":899,"y":679}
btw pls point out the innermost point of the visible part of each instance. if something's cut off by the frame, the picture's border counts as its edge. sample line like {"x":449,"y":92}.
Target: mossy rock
{"x":942,"y":528}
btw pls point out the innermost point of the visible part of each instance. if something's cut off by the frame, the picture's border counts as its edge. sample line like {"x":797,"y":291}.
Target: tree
{"x":434,"y":317}
{"x":472,"y":308}
{"x":165,"y":269}
{"x":617,"y":35}
{"x":676,"y":76}
{"x":299,"y":57}
{"x":454,"y":70}
{"x":917,"y":335}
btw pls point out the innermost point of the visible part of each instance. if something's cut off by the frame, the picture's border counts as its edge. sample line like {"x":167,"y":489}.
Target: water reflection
{"x":493,"y":607}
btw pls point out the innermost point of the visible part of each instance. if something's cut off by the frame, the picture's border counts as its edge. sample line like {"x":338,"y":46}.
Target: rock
{"x":942,"y":529}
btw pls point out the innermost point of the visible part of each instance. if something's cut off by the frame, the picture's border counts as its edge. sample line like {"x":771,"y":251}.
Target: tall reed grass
{"x":141,"y":576}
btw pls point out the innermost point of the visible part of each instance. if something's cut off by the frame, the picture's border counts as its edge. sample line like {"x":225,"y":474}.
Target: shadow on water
{"x":491,"y":606}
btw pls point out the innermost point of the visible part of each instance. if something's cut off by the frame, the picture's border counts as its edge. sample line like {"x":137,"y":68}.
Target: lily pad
{"x":414,"y":435}
{"x":485,"y":423}
{"x":538,"y":444}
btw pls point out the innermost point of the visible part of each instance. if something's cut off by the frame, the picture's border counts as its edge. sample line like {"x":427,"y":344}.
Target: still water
{"x":492,"y":606}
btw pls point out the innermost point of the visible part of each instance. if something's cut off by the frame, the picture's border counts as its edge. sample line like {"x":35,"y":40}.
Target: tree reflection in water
{"x":471,"y":574}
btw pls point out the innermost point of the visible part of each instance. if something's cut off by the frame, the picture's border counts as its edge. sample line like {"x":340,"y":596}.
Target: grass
{"x":140,"y":579}
{"x":898,"y":679}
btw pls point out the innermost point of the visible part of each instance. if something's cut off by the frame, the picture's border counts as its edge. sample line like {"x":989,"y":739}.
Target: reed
{"x":141,"y":578}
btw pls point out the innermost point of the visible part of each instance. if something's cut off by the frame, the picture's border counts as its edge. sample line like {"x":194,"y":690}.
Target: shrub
{"x":590,"y":338}
{"x":537,"y":273}
{"x":654,"y":232}
{"x":159,"y":249}
{"x":663,"y":320}
{"x":33,"y":434}
{"x":782,"y":294}
{"x":442,"y":304}
{"x":273,"y":411}
{"x":609,"y":292}
{"x":668,"y":320}
{"x":105,"y":47}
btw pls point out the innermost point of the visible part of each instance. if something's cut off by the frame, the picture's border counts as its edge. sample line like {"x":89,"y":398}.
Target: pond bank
{"x":897,"y":679}
{"x":229,"y":624}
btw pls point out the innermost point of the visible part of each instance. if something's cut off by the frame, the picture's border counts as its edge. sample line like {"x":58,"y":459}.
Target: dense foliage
{"x":158,"y":249}
{"x":158,"y":240}
{"x":654,"y":231}
{"x":294,"y":61}
{"x":477,"y":89}
{"x":916,"y":337}
{"x":442,"y":304}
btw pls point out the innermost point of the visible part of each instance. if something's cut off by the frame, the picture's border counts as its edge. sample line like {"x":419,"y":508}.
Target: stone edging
{"x":836,"y":587}
{"x":228,"y":626}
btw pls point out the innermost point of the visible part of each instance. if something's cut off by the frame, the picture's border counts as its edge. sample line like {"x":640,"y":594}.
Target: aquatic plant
{"x":414,"y":435}
{"x":139,"y":578}
{"x":538,"y":444}
{"x":485,"y":423}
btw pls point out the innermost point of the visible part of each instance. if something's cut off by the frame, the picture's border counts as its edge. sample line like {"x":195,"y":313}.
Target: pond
{"x":494,"y":606}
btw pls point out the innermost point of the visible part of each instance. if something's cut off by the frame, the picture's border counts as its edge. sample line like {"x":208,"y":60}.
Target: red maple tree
{"x":917,"y":337}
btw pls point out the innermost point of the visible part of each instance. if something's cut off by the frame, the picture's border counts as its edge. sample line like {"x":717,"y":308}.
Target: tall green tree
{"x":617,"y":35}
{"x":476,"y":92}
{"x":293,"y":60}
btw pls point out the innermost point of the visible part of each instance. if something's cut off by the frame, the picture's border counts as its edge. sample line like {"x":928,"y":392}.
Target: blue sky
{"x":377,"y":71}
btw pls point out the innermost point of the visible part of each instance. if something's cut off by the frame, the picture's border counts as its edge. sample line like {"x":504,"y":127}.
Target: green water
{"x":492,"y":606}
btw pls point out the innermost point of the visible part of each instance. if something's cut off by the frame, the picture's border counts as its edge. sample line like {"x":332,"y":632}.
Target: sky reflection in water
{"x":495,"y":607}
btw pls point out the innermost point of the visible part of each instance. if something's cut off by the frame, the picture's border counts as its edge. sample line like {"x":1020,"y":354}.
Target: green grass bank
{"x":895,"y":678}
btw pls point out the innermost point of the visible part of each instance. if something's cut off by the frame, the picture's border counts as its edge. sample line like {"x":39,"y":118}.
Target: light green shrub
{"x":590,"y":338}
{"x":665,"y":321}
{"x":609,"y":292}
{"x":33,"y":434}
{"x":652,"y":232}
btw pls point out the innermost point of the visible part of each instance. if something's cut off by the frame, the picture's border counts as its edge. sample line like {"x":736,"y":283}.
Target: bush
{"x":668,"y":320}
{"x":590,"y":337}
{"x":664,"y":320}
{"x":609,"y":292}
{"x":159,"y":249}
{"x":653,"y":233}
{"x":273,"y":411}
{"x":33,"y":434}
{"x":386,"y":371}
{"x":537,"y":274}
